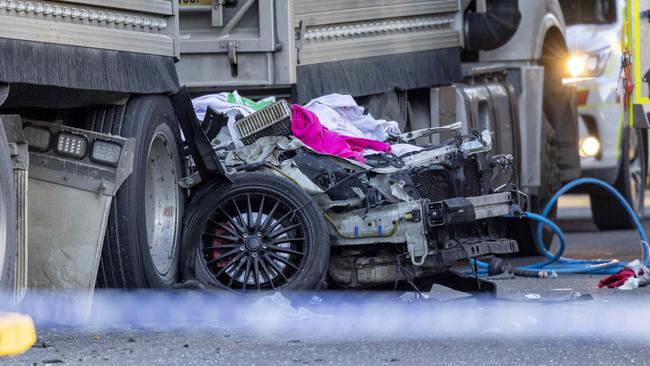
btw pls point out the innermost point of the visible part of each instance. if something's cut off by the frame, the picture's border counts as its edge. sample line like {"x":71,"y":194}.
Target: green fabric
{"x":235,"y":98}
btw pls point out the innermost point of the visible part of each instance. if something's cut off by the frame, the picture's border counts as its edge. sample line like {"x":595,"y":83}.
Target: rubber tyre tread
{"x":122,"y":263}
{"x":318,"y":252}
{"x":110,"y":273}
{"x":607,"y":212}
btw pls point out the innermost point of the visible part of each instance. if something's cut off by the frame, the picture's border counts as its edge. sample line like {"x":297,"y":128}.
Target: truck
{"x":95,"y":177}
{"x":610,"y":149}
{"x":331,"y":53}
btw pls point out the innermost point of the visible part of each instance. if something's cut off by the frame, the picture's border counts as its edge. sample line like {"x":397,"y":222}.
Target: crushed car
{"x":293,"y":218}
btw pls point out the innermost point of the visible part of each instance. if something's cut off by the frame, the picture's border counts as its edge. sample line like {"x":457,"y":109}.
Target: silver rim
{"x":3,"y":228}
{"x":636,"y":173}
{"x":162,"y":202}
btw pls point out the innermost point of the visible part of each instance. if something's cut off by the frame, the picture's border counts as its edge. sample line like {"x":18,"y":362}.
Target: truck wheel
{"x":7,"y":217}
{"x":550,"y":177}
{"x":260,"y":233}
{"x":607,"y":212}
{"x":141,"y":246}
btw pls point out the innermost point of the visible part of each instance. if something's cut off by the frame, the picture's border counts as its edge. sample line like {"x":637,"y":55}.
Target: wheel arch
{"x":538,"y":18}
{"x":559,"y":103}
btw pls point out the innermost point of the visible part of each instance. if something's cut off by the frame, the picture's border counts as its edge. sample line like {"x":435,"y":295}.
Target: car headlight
{"x":590,"y":64}
{"x":589,"y":147}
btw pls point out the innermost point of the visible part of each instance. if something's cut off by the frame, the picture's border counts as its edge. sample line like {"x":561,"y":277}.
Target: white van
{"x":609,"y":150}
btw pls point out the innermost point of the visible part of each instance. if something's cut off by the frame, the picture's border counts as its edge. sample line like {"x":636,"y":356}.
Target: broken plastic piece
{"x":272,"y":307}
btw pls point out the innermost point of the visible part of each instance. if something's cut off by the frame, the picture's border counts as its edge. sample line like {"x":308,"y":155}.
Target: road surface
{"x":545,"y":322}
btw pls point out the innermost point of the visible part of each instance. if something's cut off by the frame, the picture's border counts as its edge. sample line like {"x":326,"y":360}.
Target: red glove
{"x":617,"y":279}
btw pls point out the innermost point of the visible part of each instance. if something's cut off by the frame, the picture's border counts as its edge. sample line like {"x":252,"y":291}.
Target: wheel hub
{"x":161,"y":203}
{"x":253,"y":243}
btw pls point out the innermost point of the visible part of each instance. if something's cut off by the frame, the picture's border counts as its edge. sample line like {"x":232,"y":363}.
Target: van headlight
{"x":589,"y":64}
{"x":589,"y":147}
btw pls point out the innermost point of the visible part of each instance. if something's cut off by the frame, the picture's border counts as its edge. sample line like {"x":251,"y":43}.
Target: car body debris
{"x":633,"y":275}
{"x":390,"y":216}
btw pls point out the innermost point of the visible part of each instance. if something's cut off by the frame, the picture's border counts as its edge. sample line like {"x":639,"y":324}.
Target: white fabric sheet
{"x":341,"y":114}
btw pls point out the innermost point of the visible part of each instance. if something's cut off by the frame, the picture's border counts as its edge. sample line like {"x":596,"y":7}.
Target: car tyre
{"x":262,"y":232}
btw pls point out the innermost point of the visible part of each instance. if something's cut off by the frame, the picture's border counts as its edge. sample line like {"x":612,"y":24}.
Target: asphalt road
{"x":535,"y":321}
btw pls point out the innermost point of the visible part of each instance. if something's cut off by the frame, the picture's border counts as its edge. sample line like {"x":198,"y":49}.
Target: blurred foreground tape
{"x":17,"y":333}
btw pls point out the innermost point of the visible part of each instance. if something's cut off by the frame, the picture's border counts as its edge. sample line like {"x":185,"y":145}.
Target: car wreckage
{"x":291,"y":218}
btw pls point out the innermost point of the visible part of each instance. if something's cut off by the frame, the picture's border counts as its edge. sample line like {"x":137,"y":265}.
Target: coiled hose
{"x":558,"y":264}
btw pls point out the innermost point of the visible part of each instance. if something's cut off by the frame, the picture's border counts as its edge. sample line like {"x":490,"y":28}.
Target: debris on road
{"x":498,"y":267}
{"x":52,"y":361}
{"x":276,"y":306}
{"x":40,"y":344}
{"x":633,"y":275}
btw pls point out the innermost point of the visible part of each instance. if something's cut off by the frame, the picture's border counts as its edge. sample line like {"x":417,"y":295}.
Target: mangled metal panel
{"x":402,"y":201}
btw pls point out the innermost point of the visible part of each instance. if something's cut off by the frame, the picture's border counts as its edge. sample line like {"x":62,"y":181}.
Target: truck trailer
{"x":96,"y":177}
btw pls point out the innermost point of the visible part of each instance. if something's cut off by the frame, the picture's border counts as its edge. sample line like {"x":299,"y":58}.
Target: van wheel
{"x":141,"y":246}
{"x":7,"y":217}
{"x":607,"y":212}
{"x":262,"y":232}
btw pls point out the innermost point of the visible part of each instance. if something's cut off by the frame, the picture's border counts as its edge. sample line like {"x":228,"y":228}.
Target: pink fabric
{"x":308,"y":129}
{"x":361,"y":143}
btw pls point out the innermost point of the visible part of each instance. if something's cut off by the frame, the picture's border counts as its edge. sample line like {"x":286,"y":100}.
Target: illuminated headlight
{"x":106,"y":152}
{"x":588,"y":65}
{"x":38,"y":138}
{"x":576,"y":65}
{"x":589,"y":147}
{"x":71,"y":145}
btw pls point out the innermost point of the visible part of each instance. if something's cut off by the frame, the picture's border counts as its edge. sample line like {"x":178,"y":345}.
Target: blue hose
{"x":558,"y":264}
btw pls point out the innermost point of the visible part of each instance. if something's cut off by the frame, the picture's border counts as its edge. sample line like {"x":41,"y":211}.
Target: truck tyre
{"x":550,"y":183}
{"x":141,"y":246}
{"x":7,"y":218}
{"x":261,"y":232}
{"x":607,"y":212}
